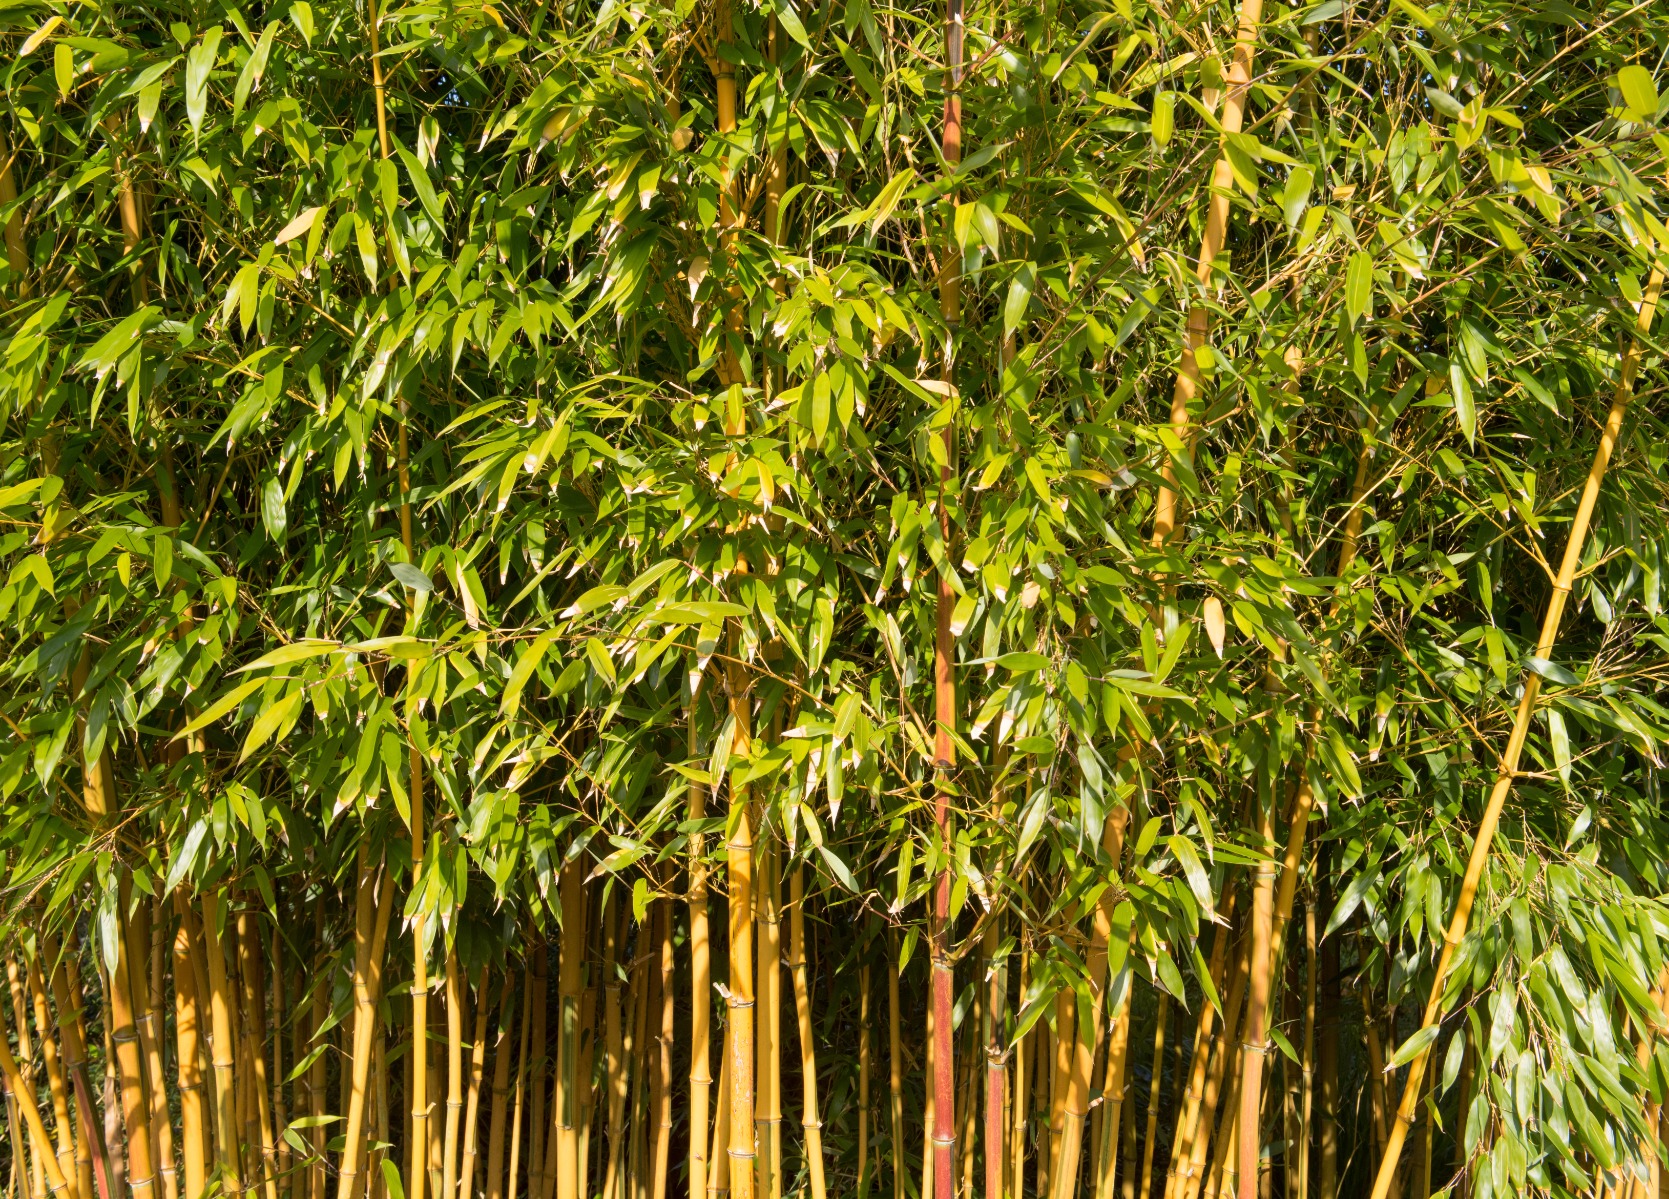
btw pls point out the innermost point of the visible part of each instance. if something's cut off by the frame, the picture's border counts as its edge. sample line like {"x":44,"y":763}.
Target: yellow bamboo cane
{"x":1508,"y":770}
{"x":54,"y":1069}
{"x":477,"y":1068}
{"x":810,"y":1120}
{"x":24,"y":1096}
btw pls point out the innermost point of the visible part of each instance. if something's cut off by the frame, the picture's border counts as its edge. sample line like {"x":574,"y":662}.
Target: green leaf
{"x":790,"y":21}
{"x":1415,"y":1046}
{"x":199,"y":61}
{"x":1358,"y":286}
{"x":510,"y":701}
{"x":1639,"y":91}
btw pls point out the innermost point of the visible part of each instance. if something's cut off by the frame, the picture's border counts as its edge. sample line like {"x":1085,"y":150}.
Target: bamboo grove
{"x":613,"y":599}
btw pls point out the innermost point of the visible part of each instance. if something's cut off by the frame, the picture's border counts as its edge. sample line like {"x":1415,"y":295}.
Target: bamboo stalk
{"x":472,"y":1106}
{"x":130,"y":1064}
{"x":54,"y":1070}
{"x":996,"y":1059}
{"x":637,"y":1054}
{"x":114,"y":1141}
{"x":614,"y":1047}
{"x":254,"y":1030}
{"x":944,"y":680}
{"x":1021,"y":1101}
{"x":1075,"y":1106}
{"x":810,"y":1120}
{"x":895,"y":1066}
{"x":1114,"y":1123}
{"x":186,"y":1062}
{"x":1167,"y":508}
{"x":569,"y":981}
{"x":1192,"y":1176}
{"x":1060,"y":1077}
{"x":768,"y":1016}
{"x":718,"y":1178}
{"x":372,"y":935}
{"x":146,"y":939}
{"x":1259,"y":983}
{"x":521,"y":1089}
{"x":929,"y":1124}
{"x":739,"y":868}
{"x":1152,"y":1135}
{"x":91,"y":1165}
{"x":538,"y":1067}
{"x":316,"y":1076}
{"x":661,"y":1087}
{"x":1456,"y":931}
{"x":863,"y":1076}
{"x":1128,"y":1133}
{"x":494,"y":1188}
{"x":1200,"y":1058}
{"x":967,"y":1105}
{"x":280,"y":1110}
{"x":23,"y":1096}
{"x":588,"y":1054}
{"x":1306,"y":1108}
{"x":1327,"y":1051}
{"x":701,"y":976}
{"x":37,"y":1148}
{"x":454,"y":1073}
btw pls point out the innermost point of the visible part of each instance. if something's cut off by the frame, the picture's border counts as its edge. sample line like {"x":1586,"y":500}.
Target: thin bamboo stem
{"x":477,"y":1068}
{"x":1075,"y":1106}
{"x":23,"y":1096}
{"x":895,"y":1067}
{"x":864,"y":1068}
{"x":942,"y":1000}
{"x":130,"y":1063}
{"x":371,"y":933}
{"x":739,"y":868}
{"x":521,"y":1089}
{"x":54,"y":1070}
{"x":810,"y":1121}
{"x":454,"y":1073}
{"x":1192,"y":1175}
{"x":1306,"y":1098}
{"x":91,"y":1165}
{"x":996,"y":1059}
{"x":254,"y":1030}
{"x":768,"y":1015}
{"x":316,"y":1073}
{"x":643,"y":1000}
{"x":661,"y":1089}
{"x":280,"y":1110}
{"x":1508,"y":771}
{"x":147,"y":933}
{"x":494,"y":1188}
{"x":539,"y":1064}
{"x":718,"y":1178}
{"x":1254,"y":1047}
{"x":615,"y":1046}
{"x":701,"y":977}
{"x":1152,"y":1135}
{"x":187,"y":1023}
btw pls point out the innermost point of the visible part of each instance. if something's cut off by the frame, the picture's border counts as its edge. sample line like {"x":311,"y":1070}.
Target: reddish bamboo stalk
{"x":91,"y":1165}
{"x":944,"y":681}
{"x":701,"y":978}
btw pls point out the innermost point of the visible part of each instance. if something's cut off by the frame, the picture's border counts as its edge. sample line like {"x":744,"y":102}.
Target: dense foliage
{"x":549,"y":454}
